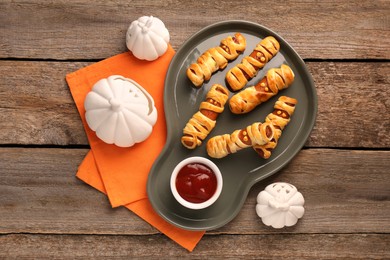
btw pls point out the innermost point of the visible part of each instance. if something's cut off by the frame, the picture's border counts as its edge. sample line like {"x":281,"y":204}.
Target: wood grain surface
{"x":342,"y":171}
{"x":310,"y":246}
{"x":348,"y":94}
{"x":78,"y":29}
{"x":42,"y":180}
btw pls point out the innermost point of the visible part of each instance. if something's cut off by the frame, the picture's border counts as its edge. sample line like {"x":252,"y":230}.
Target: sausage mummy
{"x":216,"y":58}
{"x":264,"y":51}
{"x":203,"y":121}
{"x":279,"y":118}
{"x":256,"y":134}
{"x":275,"y":80}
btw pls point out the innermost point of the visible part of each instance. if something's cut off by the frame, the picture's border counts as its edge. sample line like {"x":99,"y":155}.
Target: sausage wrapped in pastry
{"x":264,"y":51}
{"x":275,"y":80}
{"x":216,"y":58}
{"x":203,"y":121}
{"x":279,"y":118}
{"x":256,"y":134}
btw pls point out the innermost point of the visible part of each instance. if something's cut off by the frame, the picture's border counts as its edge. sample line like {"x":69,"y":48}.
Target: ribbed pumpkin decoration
{"x":147,"y":38}
{"x":120,"y":111}
{"x":279,"y":205}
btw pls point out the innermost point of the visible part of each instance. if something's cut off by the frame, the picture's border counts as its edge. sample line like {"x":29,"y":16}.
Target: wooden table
{"x":343,"y":170}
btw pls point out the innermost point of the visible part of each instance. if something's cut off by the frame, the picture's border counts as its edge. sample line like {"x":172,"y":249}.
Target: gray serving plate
{"x":241,"y":170}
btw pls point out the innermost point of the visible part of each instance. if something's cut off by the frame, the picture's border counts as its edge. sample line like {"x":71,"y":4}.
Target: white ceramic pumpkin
{"x":120,"y":111}
{"x":279,"y":205}
{"x":147,"y":38}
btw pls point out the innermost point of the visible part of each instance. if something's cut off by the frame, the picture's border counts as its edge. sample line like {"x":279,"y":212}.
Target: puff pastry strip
{"x":216,"y":58}
{"x":256,"y":134}
{"x":203,"y":121}
{"x":238,"y":76}
{"x":279,"y":118}
{"x":275,"y":80}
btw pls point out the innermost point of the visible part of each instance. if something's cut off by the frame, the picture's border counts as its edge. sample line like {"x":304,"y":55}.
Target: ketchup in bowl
{"x":196,"y":182}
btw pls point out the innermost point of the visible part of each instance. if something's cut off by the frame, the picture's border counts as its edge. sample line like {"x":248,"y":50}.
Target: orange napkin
{"x":122,"y":173}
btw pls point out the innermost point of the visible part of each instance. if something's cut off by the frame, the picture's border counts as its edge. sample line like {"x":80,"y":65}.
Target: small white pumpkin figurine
{"x":120,"y":111}
{"x":279,"y":205}
{"x":147,"y":38}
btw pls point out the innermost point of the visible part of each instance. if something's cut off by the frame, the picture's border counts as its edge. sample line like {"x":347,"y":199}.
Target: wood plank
{"x":316,"y":246}
{"x":345,"y":192}
{"x":342,"y":188}
{"x":76,"y":30}
{"x":36,"y":106}
{"x":40,"y":193}
{"x":353,"y":104}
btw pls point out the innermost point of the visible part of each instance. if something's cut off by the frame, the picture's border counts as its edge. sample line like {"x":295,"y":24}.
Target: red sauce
{"x":196,"y":182}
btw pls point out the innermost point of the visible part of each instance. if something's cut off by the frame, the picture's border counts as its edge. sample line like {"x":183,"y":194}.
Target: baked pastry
{"x":256,"y":134}
{"x":279,"y":118}
{"x":203,"y":121}
{"x":216,"y":58}
{"x":276,"y":79}
{"x":238,"y":76}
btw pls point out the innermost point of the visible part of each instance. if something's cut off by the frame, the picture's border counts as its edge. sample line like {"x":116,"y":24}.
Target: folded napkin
{"x":122,"y":173}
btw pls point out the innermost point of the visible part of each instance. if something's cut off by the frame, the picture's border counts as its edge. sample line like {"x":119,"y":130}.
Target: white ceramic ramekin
{"x":212,"y":166}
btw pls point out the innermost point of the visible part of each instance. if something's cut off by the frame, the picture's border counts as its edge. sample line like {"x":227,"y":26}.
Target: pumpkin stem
{"x":149,"y":21}
{"x":115,"y":104}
